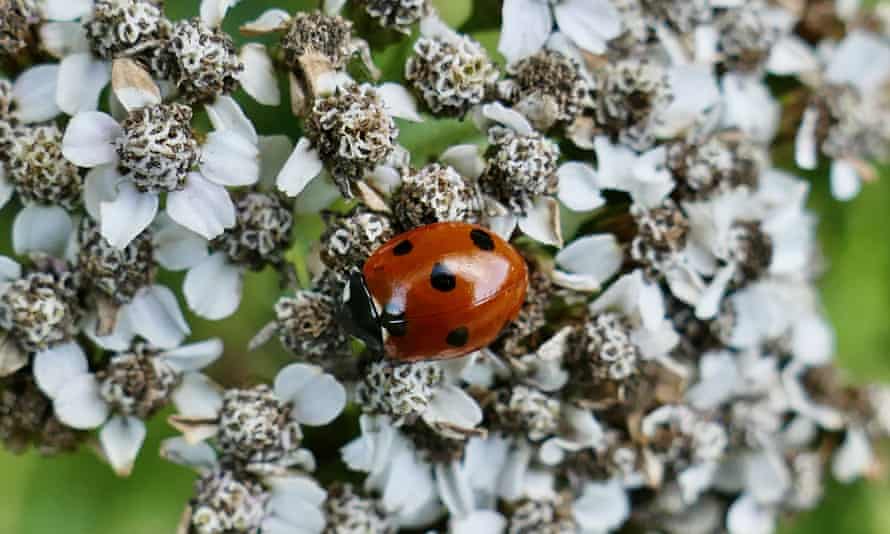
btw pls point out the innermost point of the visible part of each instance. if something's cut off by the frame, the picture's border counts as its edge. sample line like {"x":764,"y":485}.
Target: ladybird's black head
{"x":359,"y":313}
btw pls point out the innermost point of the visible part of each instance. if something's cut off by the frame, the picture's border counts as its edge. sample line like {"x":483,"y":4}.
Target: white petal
{"x":119,"y":340}
{"x":597,"y":255}
{"x":614,"y":163}
{"x":812,"y":340}
{"x":465,"y":159}
{"x":126,"y":216}
{"x":589,"y":23}
{"x":750,"y":106}
{"x":67,"y":9}
{"x":179,"y":451}
{"x":525,"y":28}
{"x":79,"y":405}
{"x":578,"y":188}
{"x":81,"y":79}
{"x":155,"y":315}
{"x":853,"y":458}
{"x":862,"y":59}
{"x":100,"y":186}
{"x":845,"y":180}
{"x":227,"y":158}
{"x":177,"y":247}
{"x":745,"y":516}
{"x":213,"y":287}
{"x":226,"y":114}
{"x":453,"y":406}
{"x":121,"y":439}
{"x":317,"y":397}
{"x":503,"y":225}
{"x":718,"y":379}
{"x":274,"y":151}
{"x":271,"y":20}
{"x":62,"y":39}
{"x":510,"y":118}
{"x":202,"y":206}
{"x":197,"y":397}
{"x":602,"y":507}
{"x":213,"y":11}
{"x":542,"y":222}
{"x":709,"y":303}
{"x":318,"y":195}
{"x":258,"y":77}
{"x":132,"y":85}
{"x":195,"y":356}
{"x":35,"y":93}
{"x":805,"y":149}
{"x":454,"y":488}
{"x":584,"y":283}
{"x":55,"y":367}
{"x":695,"y":92}
{"x":488,"y":521}
{"x":302,"y":166}
{"x":9,"y":269}
{"x":42,"y":229}
{"x":399,"y":102}
{"x":332,"y":7}
{"x":6,"y":187}
{"x":89,"y":139}
{"x":791,"y":55}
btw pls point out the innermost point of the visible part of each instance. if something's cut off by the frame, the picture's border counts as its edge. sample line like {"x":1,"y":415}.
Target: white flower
{"x":213,"y":286}
{"x":425,"y":390}
{"x":33,"y":94}
{"x":528,"y":24}
{"x":83,"y":400}
{"x":290,"y":502}
{"x":124,"y":184}
{"x":642,"y":303}
{"x":601,"y":508}
{"x":540,"y":219}
{"x":353,"y":147}
{"x":405,"y":482}
{"x":854,"y":458}
{"x":304,"y":392}
{"x":749,"y":106}
{"x":82,"y":74}
{"x":861,"y":61}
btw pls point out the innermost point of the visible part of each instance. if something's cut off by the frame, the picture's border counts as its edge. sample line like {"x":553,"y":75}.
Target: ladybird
{"x":438,"y":291}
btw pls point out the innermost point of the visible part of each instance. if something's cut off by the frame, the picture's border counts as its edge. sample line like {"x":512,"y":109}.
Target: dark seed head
{"x":442,"y":279}
{"x":481,"y":239}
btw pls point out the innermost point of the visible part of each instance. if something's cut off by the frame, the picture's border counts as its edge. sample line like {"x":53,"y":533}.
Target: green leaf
{"x":454,"y":12}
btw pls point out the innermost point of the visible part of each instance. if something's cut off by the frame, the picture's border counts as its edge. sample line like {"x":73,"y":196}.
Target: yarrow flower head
{"x":436,"y":193}
{"x":548,"y":87}
{"x":154,"y":151}
{"x":399,"y":15}
{"x":450,"y":73}
{"x":40,"y":309}
{"x":133,"y":28}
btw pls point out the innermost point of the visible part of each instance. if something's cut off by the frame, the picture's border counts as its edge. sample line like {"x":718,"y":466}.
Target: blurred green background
{"x":77,"y":494}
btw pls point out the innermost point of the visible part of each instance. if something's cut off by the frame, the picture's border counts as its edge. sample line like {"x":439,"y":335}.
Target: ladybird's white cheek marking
{"x":346,"y":293}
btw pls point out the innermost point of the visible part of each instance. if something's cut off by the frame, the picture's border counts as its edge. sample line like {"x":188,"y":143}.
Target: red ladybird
{"x":438,"y":291}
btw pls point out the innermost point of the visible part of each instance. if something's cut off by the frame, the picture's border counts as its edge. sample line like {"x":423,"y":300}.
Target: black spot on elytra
{"x":458,"y":337}
{"x":403,"y":248}
{"x":442,"y":279}
{"x":481,"y":239}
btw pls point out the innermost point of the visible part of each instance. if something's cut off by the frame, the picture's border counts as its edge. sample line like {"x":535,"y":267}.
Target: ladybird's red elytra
{"x":439,"y":291}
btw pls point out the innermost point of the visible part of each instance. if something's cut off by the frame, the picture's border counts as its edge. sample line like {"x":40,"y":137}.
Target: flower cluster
{"x":670,"y":369}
